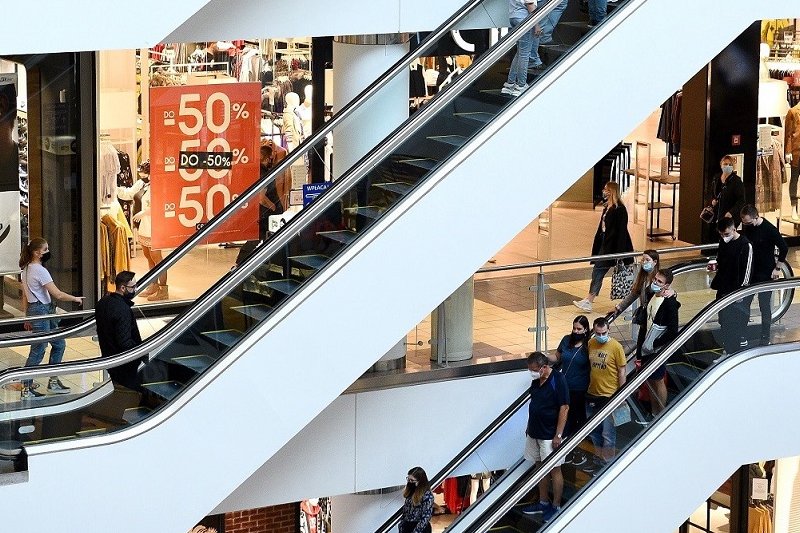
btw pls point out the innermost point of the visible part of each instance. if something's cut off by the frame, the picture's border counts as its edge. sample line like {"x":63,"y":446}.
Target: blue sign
{"x":312,"y":190}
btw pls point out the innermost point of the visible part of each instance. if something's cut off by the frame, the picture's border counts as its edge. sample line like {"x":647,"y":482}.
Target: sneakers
{"x":538,"y":66}
{"x":583,"y":305}
{"x":536,"y":508}
{"x":516,"y":90}
{"x":576,"y":458}
{"x":54,"y":386}
{"x":508,"y":85}
{"x":28,"y":393}
{"x":550,"y":513}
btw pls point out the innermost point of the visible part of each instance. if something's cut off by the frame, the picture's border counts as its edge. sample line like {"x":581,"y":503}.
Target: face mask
{"x":727,"y":169}
{"x":45,"y":257}
{"x":602,"y":339}
{"x":727,"y":239}
{"x":605,"y":196}
{"x":655,"y":288}
{"x":535,"y":375}
{"x":648,"y":267}
{"x":575,"y":337}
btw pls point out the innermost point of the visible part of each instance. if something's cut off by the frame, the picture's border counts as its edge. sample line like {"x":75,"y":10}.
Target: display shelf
{"x":655,"y":206}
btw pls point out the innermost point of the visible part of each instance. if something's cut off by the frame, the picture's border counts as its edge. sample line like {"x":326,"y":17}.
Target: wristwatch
{"x":558,"y":435}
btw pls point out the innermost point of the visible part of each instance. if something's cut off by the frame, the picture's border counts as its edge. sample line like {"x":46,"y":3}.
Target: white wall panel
{"x":309,"y":351}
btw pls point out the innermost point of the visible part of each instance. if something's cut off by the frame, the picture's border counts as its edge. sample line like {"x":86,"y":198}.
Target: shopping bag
{"x":622,"y":280}
{"x":621,"y":415}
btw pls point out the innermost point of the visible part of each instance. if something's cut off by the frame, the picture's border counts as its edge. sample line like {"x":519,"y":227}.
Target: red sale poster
{"x":203,"y":153}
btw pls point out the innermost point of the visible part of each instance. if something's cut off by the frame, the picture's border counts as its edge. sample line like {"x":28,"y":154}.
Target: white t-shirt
{"x":34,"y":278}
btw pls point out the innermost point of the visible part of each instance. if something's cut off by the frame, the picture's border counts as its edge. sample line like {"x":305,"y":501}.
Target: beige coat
{"x":792,"y":125}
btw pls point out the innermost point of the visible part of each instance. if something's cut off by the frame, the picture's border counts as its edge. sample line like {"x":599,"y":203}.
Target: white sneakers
{"x":513,"y":89}
{"x":584,"y":305}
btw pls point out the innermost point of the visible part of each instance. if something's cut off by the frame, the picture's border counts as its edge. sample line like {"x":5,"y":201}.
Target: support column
{"x":356,"y":513}
{"x":357,"y":61}
{"x":452,"y":326}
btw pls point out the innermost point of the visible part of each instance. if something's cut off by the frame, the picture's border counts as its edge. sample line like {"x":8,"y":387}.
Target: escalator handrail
{"x":509,"y":500}
{"x":484,"y":435}
{"x":325,"y":201}
{"x":186,"y":246}
{"x":459,"y":458}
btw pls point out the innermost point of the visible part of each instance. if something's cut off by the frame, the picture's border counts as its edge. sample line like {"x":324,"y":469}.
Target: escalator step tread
{"x":133,"y":415}
{"x":227,"y":337}
{"x":396,"y":187}
{"x":255,"y":311}
{"x":314,"y":261}
{"x":285,"y":286}
{"x":198,"y":363}
{"x":164,"y":389}
{"x":368,"y":211}
{"x":424,"y":162}
{"x":454,"y":140}
{"x":342,"y":236}
{"x":479,"y":116}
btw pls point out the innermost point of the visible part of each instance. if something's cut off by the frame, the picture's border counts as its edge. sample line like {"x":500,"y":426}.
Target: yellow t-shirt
{"x":604,"y":361}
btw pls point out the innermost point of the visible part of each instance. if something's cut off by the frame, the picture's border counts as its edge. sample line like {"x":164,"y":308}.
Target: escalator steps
{"x":135,"y":414}
{"x":164,"y":389}
{"x":196,"y":363}
{"x":226,"y":337}
{"x":255,"y":311}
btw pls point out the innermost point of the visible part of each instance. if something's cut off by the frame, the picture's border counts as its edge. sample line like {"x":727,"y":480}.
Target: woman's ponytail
{"x":26,"y":256}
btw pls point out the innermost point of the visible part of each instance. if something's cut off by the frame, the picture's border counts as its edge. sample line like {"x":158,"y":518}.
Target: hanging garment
{"x":770,"y":176}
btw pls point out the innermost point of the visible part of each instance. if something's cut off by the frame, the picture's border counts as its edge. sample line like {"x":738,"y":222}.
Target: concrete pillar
{"x":357,"y":61}
{"x":394,"y":359}
{"x":452,"y":325}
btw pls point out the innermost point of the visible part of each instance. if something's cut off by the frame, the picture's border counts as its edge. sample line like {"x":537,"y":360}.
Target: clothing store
{"x":239,"y":99}
{"x":757,"y":498}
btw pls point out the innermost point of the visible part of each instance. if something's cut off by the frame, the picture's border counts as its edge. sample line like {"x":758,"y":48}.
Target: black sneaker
{"x":54,"y":386}
{"x":29,"y":393}
{"x":577,"y":458}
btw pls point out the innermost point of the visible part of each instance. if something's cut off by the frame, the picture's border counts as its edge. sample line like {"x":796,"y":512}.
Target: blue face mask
{"x":648,"y":267}
{"x":602,"y":339}
{"x":727,"y":169}
{"x":655,"y":288}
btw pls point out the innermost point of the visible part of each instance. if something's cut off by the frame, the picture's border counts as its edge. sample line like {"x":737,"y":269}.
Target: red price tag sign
{"x":197,"y":122}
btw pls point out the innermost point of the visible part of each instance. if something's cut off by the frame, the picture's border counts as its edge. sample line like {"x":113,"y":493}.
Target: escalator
{"x":268,"y":346}
{"x":591,"y":484}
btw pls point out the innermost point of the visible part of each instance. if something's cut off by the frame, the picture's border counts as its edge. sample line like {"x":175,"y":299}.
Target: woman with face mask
{"x":572,"y":359}
{"x":660,"y":328}
{"x":418,"y":507}
{"x":612,"y":237}
{"x":728,"y":193}
{"x":38,"y":293}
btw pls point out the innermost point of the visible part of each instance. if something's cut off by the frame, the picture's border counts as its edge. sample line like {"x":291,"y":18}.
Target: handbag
{"x":640,"y":316}
{"x":622,"y":280}
{"x":707,"y":215}
{"x":653,"y":333}
{"x":621,"y":415}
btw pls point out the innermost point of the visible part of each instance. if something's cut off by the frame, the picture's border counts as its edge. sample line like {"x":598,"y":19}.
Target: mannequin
{"x":304,"y":111}
{"x":309,"y":511}
{"x":144,"y":220}
{"x":792,"y":150}
{"x":292,"y":123}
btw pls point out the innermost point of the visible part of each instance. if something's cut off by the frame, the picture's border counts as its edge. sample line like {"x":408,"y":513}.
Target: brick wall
{"x":276,"y":519}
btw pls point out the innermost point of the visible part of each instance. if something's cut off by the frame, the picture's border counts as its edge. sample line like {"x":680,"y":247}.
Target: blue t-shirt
{"x":574,"y":364}
{"x":546,"y":400}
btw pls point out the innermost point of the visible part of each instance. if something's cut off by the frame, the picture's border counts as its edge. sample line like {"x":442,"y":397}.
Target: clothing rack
{"x":171,"y":67}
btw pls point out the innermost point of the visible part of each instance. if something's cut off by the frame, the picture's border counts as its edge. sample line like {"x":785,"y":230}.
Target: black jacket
{"x":765,"y":238}
{"x":730,"y":197}
{"x":667,"y":316}
{"x":117,"y":332}
{"x":734,"y":266}
{"x":616,"y":239}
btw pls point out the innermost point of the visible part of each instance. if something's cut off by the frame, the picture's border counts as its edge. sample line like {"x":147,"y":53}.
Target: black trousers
{"x":408,"y":527}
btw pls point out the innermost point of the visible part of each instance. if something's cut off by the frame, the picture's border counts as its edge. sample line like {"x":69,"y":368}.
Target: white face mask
{"x":727,"y":239}
{"x":535,"y":374}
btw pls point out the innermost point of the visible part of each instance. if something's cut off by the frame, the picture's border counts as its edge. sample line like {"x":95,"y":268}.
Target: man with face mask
{"x":606,"y":375}
{"x":734,"y":266}
{"x":117,"y":330}
{"x":547,"y":417}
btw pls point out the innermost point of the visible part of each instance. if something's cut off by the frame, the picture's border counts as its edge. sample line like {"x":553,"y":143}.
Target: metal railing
{"x":513,"y":496}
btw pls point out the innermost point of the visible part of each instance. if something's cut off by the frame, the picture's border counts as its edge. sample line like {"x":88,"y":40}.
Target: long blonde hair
{"x":614,"y":197}
{"x":26,"y":256}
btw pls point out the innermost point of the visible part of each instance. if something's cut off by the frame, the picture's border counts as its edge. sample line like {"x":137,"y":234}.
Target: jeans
{"x":519,"y":65}
{"x":598,"y":9}
{"x":548,"y":25}
{"x":598,"y":273}
{"x":604,"y":435}
{"x":37,"y":350}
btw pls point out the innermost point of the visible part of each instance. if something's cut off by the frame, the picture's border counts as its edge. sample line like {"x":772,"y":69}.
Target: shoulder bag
{"x":622,"y":280}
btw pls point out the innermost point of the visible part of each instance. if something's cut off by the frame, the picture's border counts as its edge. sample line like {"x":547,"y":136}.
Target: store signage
{"x":10,"y":229}
{"x":10,"y":232}
{"x":312,"y":190}
{"x":204,"y":153}
{"x":759,"y":491}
